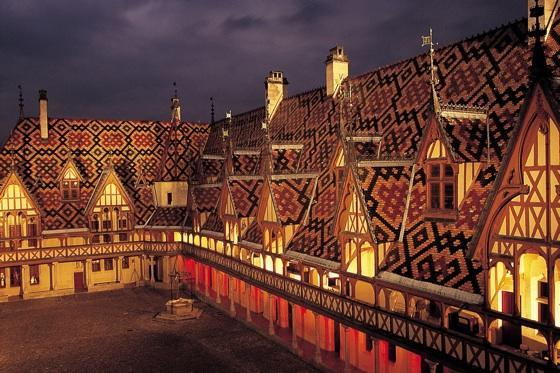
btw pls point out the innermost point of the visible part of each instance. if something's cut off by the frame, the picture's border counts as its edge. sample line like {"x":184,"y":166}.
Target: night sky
{"x":117,"y":59}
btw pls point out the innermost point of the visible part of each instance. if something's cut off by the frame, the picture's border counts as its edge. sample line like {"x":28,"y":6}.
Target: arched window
{"x":442,"y":187}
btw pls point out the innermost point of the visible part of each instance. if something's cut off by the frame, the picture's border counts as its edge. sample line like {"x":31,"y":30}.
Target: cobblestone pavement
{"x":115,"y":331}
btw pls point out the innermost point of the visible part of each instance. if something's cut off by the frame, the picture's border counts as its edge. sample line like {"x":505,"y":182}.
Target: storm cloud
{"x":118,"y":59}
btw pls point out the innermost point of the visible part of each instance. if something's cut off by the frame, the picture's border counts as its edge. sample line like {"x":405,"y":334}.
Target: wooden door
{"x":79,"y":282}
{"x":511,"y":333}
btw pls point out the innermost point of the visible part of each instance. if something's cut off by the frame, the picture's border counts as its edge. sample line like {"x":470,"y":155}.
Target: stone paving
{"x":116,"y":331}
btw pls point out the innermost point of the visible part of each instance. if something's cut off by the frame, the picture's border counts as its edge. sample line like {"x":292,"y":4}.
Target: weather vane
{"x":212,"y":110}
{"x":428,"y":40}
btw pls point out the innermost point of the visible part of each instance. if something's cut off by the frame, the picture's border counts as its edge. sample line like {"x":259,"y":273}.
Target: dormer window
{"x":70,"y":186}
{"x":442,"y":188}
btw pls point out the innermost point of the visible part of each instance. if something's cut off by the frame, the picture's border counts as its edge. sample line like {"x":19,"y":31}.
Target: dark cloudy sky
{"x":118,"y":58}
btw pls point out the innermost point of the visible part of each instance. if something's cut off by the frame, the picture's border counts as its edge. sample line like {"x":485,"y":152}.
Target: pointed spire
{"x":212,"y":110}
{"x":20,"y":99}
{"x":429,"y":41}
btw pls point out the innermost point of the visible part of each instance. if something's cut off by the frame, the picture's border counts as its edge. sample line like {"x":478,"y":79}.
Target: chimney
{"x":175,"y":109}
{"x":337,"y":69}
{"x":43,"y":117}
{"x":276,"y":87}
{"x":545,"y":11}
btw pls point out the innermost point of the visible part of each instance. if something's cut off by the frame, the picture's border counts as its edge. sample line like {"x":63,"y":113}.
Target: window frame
{"x":442,"y":180}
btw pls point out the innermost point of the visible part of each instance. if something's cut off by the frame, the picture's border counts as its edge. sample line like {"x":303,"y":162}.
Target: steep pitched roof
{"x":91,"y":142}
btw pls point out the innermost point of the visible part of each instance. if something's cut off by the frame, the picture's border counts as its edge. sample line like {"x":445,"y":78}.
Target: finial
{"x":429,"y":41}
{"x":175,"y":89}
{"x":212,"y":110}
{"x":110,"y":160}
{"x":12,"y":160}
{"x":21,"y":115}
{"x":539,"y":68}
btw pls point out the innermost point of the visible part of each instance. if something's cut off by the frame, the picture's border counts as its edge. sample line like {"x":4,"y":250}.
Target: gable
{"x":109,"y":192}
{"x":15,"y":197}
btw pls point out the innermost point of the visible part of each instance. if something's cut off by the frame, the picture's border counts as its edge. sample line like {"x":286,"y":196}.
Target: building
{"x":406,"y":218}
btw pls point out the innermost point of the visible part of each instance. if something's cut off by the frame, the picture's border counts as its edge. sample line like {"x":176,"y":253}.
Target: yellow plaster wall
{"x":179,"y":189}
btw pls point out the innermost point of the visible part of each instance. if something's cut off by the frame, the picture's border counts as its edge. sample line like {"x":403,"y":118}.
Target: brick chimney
{"x":337,"y":69}
{"x":43,"y":116}
{"x":276,"y":88}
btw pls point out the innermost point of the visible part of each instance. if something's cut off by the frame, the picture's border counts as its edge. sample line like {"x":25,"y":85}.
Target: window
{"x":441,"y":187}
{"x":34,"y":274}
{"x":392,"y":352}
{"x":126,"y":262}
{"x":2,"y":277}
{"x":15,"y":276}
{"x":95,"y":265}
{"x":70,"y":186}
{"x":169,"y":198}
{"x":108,"y":264}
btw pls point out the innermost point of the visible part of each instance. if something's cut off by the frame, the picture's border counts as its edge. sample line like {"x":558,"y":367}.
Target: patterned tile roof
{"x":246,"y":194}
{"x":214,"y":223}
{"x":167,"y":217}
{"x":253,"y":234}
{"x":206,"y":197}
{"x":130,"y":144}
{"x":292,"y":198}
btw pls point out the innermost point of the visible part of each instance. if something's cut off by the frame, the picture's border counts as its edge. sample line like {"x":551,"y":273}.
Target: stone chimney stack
{"x":276,"y":88}
{"x":43,"y":116}
{"x":337,"y":69}
{"x":546,"y":11}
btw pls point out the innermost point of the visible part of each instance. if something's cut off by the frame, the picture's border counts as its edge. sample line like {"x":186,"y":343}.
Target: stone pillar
{"x":432,"y":364}
{"x":294,"y":328}
{"x":54,"y":275}
{"x":166,"y":271}
{"x":143,"y":274}
{"x":88,"y":271}
{"x":218,"y":288}
{"x":196,"y":277}
{"x":151,"y":264}
{"x":270,"y":314}
{"x":24,"y":279}
{"x":376,"y":356}
{"x":119,"y":268}
{"x":248,"y":301}
{"x":231,"y":300}
{"x":317,"y":337}
{"x":207,"y":275}
{"x":347,"y":365}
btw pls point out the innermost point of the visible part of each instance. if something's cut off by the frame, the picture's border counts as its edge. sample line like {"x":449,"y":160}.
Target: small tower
{"x":336,"y":69}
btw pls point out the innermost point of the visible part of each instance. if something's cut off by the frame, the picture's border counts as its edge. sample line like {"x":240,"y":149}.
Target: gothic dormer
{"x":69,"y":181}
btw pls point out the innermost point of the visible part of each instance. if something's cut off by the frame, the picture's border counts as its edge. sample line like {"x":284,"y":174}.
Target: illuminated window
{"x":95,"y":265}
{"x":15,"y":276}
{"x":34,"y":274}
{"x":70,"y":186}
{"x":18,"y":218}
{"x":126,"y":262}
{"x":108,"y":264}
{"x":2,"y":277}
{"x":442,"y":187}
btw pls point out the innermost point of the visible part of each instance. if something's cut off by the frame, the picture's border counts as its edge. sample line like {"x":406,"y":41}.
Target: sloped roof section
{"x":206,"y":197}
{"x":253,"y":234}
{"x":246,"y":194}
{"x":384,"y":190}
{"x":167,"y":217}
{"x":90,"y":143}
{"x":246,"y":163}
{"x":214,"y":223}
{"x":182,"y":146}
{"x":292,"y":198}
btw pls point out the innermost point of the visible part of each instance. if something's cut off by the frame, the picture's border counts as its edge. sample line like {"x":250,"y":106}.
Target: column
{"x":142,"y":259}
{"x":294,"y":327}
{"x":432,"y":364}
{"x":89,"y":280}
{"x":166,"y":272}
{"x":196,"y":277}
{"x":119,"y":268}
{"x":270,"y":314}
{"x":376,"y":356}
{"x":54,"y":276}
{"x":347,"y":365}
{"x":24,"y":278}
{"x":151,"y":265}
{"x":248,"y":301}
{"x":207,"y":274}
{"x":231,"y":300}
{"x":317,"y":337}
{"x":218,"y":288}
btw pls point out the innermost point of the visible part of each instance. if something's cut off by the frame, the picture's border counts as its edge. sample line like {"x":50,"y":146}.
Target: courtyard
{"x":116,"y":331}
